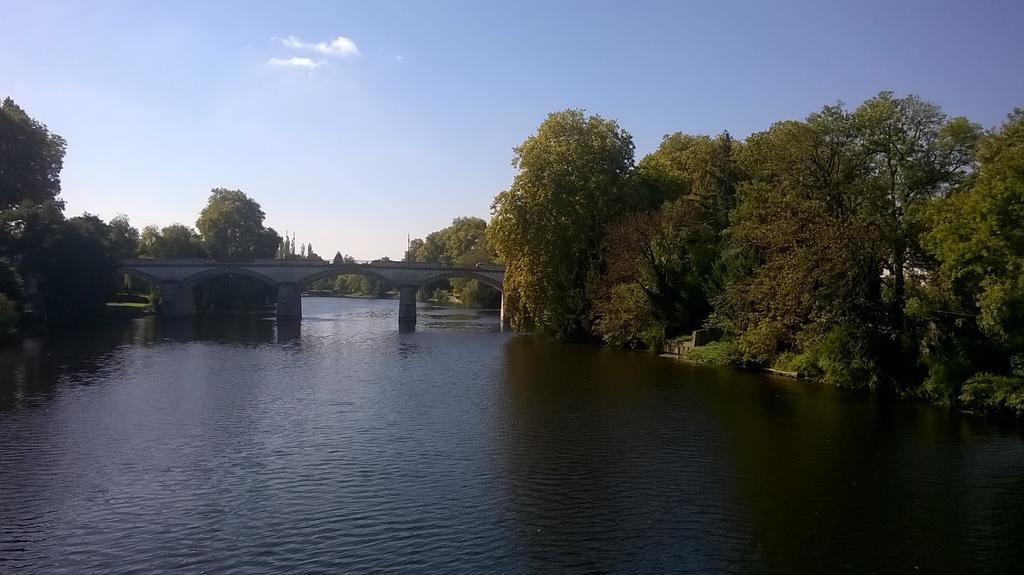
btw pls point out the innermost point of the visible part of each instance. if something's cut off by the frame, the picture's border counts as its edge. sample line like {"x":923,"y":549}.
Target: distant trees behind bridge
{"x":62,"y":268}
{"x":462,"y":244}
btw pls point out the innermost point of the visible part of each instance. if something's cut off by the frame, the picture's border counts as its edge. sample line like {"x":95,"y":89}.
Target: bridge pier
{"x":289,"y":301}
{"x":505,"y":322}
{"x":407,"y":307}
{"x":176,"y":300}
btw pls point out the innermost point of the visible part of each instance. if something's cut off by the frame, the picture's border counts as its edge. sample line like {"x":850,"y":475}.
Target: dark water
{"x":342,"y":446}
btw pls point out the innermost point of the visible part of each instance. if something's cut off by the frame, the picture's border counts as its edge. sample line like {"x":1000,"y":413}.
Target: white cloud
{"x":399,"y":58}
{"x":340,"y":47}
{"x":294,"y":62}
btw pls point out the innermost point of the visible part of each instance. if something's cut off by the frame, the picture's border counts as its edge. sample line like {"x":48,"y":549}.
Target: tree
{"x":77,"y":275}
{"x":173,"y":241}
{"x":548,"y":226}
{"x":824,"y":242}
{"x":463,"y":243}
{"x":124,"y":239}
{"x":231,"y":226}
{"x":699,"y":167}
{"x":661,"y":262}
{"x":914,"y":154}
{"x":31,"y":158}
{"x":803,"y":257}
{"x":974,"y":301}
{"x":268,"y":241}
{"x":412,"y":249}
{"x":11,"y":284}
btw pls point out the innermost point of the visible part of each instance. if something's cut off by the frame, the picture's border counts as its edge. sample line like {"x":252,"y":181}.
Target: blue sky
{"x":410,"y":119}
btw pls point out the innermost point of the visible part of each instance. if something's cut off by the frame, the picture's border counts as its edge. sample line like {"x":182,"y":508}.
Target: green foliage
{"x":231,"y":226}
{"x":173,"y":241}
{"x":839,"y":355}
{"x":413,"y":249}
{"x":671,"y":255}
{"x":793,"y":363}
{"x":625,"y":319}
{"x":722,"y":352}
{"x":77,"y":276}
{"x":825,"y":239}
{"x":464,"y":243}
{"x":31,"y":158}
{"x":701,"y":168}
{"x":760,"y":343}
{"x":8,"y":316}
{"x":351,"y":284}
{"x":974,"y":301}
{"x":124,"y":239}
{"x":472,"y":293}
{"x":986,"y":392}
{"x":548,"y":226}
{"x":11,"y":283}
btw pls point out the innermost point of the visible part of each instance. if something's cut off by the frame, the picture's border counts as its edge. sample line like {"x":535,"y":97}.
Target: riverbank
{"x":982,"y":394}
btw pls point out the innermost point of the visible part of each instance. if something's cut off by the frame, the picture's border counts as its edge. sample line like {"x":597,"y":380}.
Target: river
{"x":338,"y":444}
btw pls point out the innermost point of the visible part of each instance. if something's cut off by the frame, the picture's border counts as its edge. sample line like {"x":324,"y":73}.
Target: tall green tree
{"x":974,"y":300}
{"x":914,"y":154}
{"x":31,"y":158}
{"x":825,"y":240}
{"x":231,"y":226}
{"x":412,"y":249}
{"x":124,"y":238}
{"x":661,"y":263}
{"x":804,"y":247}
{"x":548,"y":226}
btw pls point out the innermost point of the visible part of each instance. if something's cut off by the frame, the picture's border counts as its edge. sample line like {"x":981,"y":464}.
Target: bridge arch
{"x":140,"y":274}
{"x":335,"y":271}
{"x":463,"y":273}
{"x":197,"y":278}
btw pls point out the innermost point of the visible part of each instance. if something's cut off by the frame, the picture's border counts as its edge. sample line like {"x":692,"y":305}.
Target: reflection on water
{"x":237,"y":445}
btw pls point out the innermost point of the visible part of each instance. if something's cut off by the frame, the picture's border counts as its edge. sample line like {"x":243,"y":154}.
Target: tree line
{"x":61,"y":268}
{"x":877,"y":248}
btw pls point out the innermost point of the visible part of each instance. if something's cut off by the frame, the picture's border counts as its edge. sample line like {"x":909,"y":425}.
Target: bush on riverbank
{"x":994,"y":394}
{"x":724,"y":352}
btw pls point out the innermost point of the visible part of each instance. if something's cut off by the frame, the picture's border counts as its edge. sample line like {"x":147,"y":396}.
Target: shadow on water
{"x":608,"y":473}
{"x":37,"y":366}
{"x":631,"y":460}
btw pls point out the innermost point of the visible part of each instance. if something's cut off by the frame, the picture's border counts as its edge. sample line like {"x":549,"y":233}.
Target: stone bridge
{"x":178,"y":278}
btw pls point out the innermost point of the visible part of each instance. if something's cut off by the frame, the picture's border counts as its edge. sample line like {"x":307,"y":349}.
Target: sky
{"x":357,"y":124}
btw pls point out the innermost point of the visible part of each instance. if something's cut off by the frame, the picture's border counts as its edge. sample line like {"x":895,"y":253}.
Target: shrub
{"x":839,"y":356}
{"x":760,"y":343}
{"x":994,"y":394}
{"x":723,"y":352}
{"x":794,"y":362}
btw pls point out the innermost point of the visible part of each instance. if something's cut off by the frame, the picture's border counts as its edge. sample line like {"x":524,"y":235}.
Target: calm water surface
{"x":339,"y":445}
